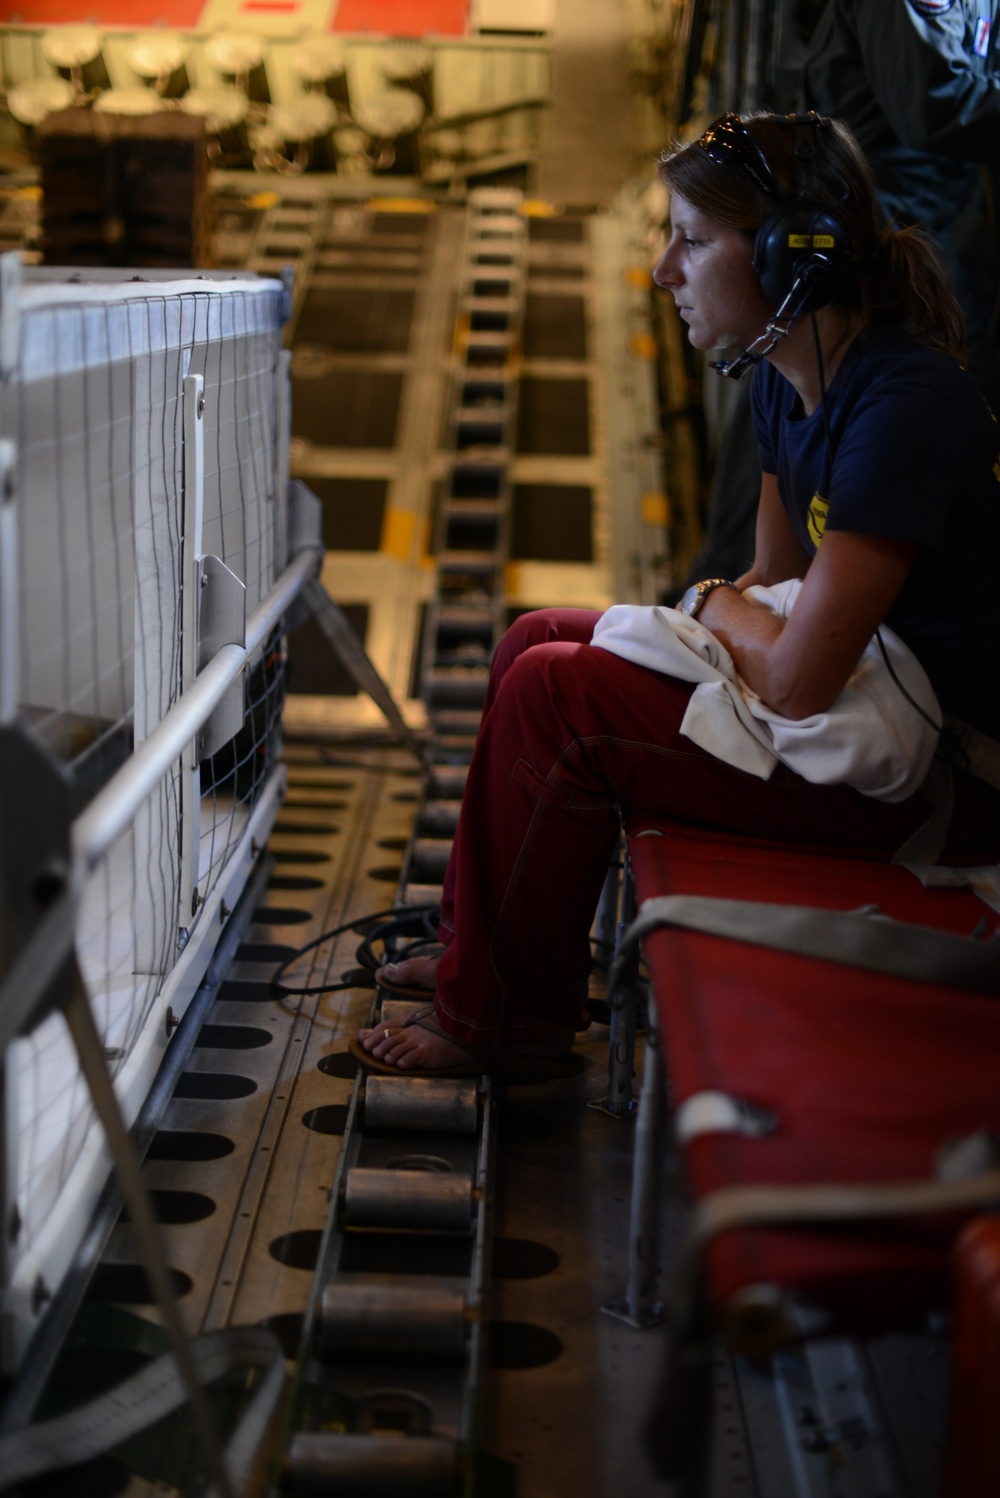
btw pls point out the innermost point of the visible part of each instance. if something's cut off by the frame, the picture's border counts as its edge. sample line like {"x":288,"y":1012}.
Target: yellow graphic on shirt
{"x":816,"y":518}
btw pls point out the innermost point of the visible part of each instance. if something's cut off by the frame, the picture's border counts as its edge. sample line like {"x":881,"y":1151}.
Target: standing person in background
{"x":918,"y":82}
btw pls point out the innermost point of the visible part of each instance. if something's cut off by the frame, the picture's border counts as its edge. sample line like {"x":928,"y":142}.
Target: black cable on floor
{"x":390,"y":919}
{"x":420,"y":919}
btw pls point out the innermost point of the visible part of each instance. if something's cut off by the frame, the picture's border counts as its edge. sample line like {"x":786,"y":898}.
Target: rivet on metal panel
{"x":171,"y":1022}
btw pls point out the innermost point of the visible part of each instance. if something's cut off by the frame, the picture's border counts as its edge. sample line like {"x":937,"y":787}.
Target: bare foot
{"x":420,"y":1044}
{"x":414,"y":972}
{"x":411,"y":1046}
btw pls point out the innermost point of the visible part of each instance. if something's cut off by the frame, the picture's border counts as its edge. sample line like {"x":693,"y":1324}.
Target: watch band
{"x":695,"y":596}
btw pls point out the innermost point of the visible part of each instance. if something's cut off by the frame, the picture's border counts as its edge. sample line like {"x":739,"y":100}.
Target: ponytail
{"x":906,"y":283}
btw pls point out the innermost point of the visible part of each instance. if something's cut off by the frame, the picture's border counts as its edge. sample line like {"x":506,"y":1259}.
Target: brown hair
{"x":897,"y":276}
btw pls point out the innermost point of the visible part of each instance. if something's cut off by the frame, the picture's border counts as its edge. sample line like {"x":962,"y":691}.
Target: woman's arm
{"x":800,"y":665}
{"x":778,"y":552}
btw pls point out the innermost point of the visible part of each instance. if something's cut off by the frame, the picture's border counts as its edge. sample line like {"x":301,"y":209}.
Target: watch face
{"x":690,"y":600}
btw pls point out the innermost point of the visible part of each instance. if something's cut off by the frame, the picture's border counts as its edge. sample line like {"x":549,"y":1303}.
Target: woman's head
{"x":743,"y":171}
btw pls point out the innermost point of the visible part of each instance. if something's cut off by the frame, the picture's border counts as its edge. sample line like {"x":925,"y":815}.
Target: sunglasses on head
{"x":728,"y":142}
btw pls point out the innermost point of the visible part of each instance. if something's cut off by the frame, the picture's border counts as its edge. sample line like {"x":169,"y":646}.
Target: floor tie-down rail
{"x":390,"y":1377}
{"x":403,"y":1268}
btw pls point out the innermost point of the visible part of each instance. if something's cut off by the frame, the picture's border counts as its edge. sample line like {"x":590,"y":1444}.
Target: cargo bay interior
{"x":485,"y":432}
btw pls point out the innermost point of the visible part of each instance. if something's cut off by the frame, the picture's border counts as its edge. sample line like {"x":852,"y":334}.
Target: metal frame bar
{"x":112,"y":809}
{"x":193,"y":511}
{"x":26,"y":1390}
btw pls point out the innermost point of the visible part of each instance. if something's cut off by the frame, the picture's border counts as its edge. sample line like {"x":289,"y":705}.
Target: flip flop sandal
{"x":466,"y":1068}
{"x":401,"y":990}
{"x":409,"y":990}
{"x":493,"y":1060}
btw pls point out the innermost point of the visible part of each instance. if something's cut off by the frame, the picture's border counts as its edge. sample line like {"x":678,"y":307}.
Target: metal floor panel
{"x":250,"y":1257}
{"x":570,"y":1386}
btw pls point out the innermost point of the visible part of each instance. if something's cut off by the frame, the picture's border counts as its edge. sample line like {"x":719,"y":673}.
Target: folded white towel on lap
{"x":871,"y":738}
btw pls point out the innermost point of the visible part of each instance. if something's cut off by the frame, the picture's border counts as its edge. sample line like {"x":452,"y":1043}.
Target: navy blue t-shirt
{"x":916,"y":457}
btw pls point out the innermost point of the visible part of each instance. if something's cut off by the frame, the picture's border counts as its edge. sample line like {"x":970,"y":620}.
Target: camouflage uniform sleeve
{"x":930,"y":65}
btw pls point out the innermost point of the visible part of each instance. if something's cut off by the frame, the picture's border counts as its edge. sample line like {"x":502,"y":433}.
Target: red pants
{"x":572,"y":739}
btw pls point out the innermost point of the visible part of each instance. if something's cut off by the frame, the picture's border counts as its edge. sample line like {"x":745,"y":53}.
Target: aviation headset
{"x":804,"y":239}
{"x":802,"y":251}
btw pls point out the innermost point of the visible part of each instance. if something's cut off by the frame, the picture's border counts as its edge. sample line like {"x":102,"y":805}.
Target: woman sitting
{"x":880,"y":490}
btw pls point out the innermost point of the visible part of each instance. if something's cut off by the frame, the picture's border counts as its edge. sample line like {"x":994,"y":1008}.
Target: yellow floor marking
{"x":397,"y":533}
{"x":400,"y":205}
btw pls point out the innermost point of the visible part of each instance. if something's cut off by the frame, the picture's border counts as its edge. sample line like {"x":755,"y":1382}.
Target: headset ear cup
{"x":798,"y":236}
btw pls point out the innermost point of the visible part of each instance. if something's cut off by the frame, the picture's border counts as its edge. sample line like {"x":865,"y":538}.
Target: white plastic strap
{"x":816,"y":1204}
{"x":148,"y":1396}
{"x":718,"y":1113}
{"x":876,"y":945}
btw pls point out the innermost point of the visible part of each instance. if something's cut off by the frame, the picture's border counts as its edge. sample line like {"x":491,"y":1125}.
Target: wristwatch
{"x":692,"y":600}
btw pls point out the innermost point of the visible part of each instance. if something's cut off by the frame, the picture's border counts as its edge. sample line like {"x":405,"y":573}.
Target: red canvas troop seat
{"x":867,"y":1075}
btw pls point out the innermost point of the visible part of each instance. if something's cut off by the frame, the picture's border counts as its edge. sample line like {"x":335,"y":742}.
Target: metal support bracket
{"x":37,"y":920}
{"x":288,"y":291}
{"x":35,"y":818}
{"x":303,"y":532}
{"x":282,"y":446}
{"x":340,"y":634}
{"x":640,"y":1307}
{"x":305,"y":519}
{"x":619,"y":1101}
{"x":9,"y":611}
{"x":222,"y":620}
{"x":10,"y":290}
{"x":194,"y":507}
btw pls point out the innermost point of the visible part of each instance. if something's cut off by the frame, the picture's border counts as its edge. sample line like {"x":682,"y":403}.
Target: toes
{"x":410,"y":1056}
{"x":376,"y":1040}
{"x":420,"y":970}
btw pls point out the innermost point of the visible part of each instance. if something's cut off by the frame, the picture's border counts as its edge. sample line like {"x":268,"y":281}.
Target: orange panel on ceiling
{"x":403,"y":17}
{"x":131,"y":13}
